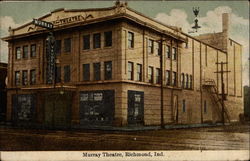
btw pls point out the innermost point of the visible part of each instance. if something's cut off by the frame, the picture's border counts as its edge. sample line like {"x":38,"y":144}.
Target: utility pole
{"x":161,"y":78}
{"x":222,"y":90}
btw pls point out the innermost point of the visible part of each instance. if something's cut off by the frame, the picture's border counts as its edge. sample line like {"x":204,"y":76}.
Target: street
{"x":233,"y":137}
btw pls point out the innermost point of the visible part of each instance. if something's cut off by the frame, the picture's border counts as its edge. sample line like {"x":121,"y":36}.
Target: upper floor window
{"x":67,"y":45}
{"x":157,"y":48}
{"x":33,"y":50}
{"x":25,"y":77}
{"x":168,"y":77}
{"x":150,"y":46}
{"x":130,"y":40}
{"x":33,"y":76}
{"x":150,"y":74}
{"x":58,"y":74}
{"x":67,"y":73}
{"x":130,"y":71}
{"x":182,"y":80}
{"x":97,"y":71}
{"x":191,"y":81}
{"x":108,"y":38}
{"x":174,"y":53}
{"x":86,"y":42}
{"x":174,"y":79}
{"x":58,"y":46}
{"x":25,"y":51}
{"x":168,"y":55}
{"x":108,"y":70}
{"x":187,"y":81}
{"x":158,"y":75}
{"x":139,"y":72}
{"x":18,"y":53}
{"x":96,"y":40}
{"x":17,"y":78}
{"x":86,"y":72}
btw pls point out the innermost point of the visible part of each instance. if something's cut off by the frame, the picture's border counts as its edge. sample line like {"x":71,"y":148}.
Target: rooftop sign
{"x":44,"y":24}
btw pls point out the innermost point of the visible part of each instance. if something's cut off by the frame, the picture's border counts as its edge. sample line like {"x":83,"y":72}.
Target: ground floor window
{"x":23,"y":107}
{"x":96,"y":107}
{"x":135,"y":107}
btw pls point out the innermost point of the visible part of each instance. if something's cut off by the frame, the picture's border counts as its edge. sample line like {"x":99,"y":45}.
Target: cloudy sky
{"x":177,"y":13}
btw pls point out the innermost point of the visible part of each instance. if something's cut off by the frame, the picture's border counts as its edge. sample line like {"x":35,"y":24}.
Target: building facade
{"x":108,"y":72}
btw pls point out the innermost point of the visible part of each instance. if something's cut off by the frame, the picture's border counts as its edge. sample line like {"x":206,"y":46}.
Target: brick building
{"x":108,"y":72}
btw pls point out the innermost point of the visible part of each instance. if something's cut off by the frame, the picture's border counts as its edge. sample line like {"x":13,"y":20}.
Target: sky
{"x":176,"y":13}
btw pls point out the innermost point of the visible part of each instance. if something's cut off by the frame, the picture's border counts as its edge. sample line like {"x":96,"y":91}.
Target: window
{"x":157,"y":48}
{"x":168,"y":55}
{"x":58,"y":74}
{"x":33,"y":50}
{"x":108,"y":38}
{"x":17,"y":78}
{"x":58,"y":46}
{"x":187,"y":84}
{"x":150,"y":46}
{"x":182,"y":80}
{"x":97,"y":71}
{"x":205,"y":106}
{"x":139,"y":72}
{"x":67,"y":73}
{"x":183,"y":105}
{"x":25,"y":51}
{"x":150,"y":75}
{"x":130,"y":40}
{"x":25,"y":77}
{"x":86,"y":42}
{"x":174,"y":79}
{"x":67,"y":45}
{"x":168,"y":77}
{"x":130,"y":71}
{"x":174,"y":53}
{"x":157,"y":75}
{"x":191,"y":81}
{"x":108,"y":70}
{"x":33,"y":76}
{"x":186,"y":44}
{"x":86,"y":72}
{"x":18,"y":53}
{"x":96,"y":40}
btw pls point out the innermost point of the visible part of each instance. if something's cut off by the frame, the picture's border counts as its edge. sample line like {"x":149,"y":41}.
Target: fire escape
{"x":210,"y":86}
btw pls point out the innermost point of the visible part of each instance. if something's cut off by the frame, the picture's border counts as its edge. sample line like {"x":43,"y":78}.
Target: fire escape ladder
{"x":216,"y":98}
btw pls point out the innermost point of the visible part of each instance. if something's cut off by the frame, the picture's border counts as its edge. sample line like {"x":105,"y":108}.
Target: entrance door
{"x":58,"y":110}
{"x":135,"y":107}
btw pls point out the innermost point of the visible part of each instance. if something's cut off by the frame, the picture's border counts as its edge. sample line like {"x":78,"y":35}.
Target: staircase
{"x":211,"y":88}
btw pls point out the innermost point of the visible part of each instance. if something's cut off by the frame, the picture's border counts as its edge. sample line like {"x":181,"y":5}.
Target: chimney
{"x":225,"y":23}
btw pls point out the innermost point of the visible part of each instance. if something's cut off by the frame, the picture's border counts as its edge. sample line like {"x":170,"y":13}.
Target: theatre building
{"x":108,"y":72}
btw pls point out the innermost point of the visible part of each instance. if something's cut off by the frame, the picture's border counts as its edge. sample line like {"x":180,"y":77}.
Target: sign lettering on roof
{"x":71,"y":19}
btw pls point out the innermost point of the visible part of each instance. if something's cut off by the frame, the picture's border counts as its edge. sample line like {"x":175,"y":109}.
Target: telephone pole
{"x":161,"y":79}
{"x":222,"y":90}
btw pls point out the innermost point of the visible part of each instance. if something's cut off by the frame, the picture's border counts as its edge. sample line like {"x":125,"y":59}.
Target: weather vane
{"x":196,"y":12}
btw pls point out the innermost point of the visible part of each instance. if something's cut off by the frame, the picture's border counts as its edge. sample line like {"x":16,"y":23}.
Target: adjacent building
{"x":3,"y":92}
{"x":108,"y":72}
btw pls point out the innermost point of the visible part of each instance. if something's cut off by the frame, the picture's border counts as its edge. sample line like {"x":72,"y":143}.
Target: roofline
{"x":203,"y":42}
{"x":235,"y":41}
{"x":66,"y":10}
{"x":116,"y":16}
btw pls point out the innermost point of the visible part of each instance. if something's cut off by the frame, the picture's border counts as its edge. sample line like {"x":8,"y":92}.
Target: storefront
{"x":97,"y":107}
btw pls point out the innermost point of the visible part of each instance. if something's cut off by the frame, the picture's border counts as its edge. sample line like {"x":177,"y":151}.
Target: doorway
{"x":57,"y":110}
